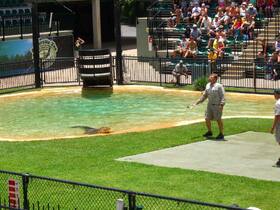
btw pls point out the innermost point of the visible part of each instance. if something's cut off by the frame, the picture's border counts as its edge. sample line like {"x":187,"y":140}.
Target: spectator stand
{"x":241,"y":46}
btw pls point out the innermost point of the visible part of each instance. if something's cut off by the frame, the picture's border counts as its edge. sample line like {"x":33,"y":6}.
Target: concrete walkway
{"x":247,"y":154}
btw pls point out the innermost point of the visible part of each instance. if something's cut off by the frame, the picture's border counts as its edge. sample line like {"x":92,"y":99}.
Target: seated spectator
{"x":176,"y":3}
{"x":263,"y":52}
{"x":179,"y":70}
{"x":236,"y":27}
{"x":212,"y":35}
{"x":269,"y":8}
{"x":219,"y":47}
{"x":277,"y":44}
{"x":187,"y":32}
{"x":204,"y":10}
{"x":195,"y":13}
{"x":206,"y":2}
{"x":181,"y":48}
{"x":261,"y":6}
{"x":195,"y":33}
{"x":226,"y":19}
{"x":187,"y":13}
{"x":220,"y":32}
{"x":233,"y":10}
{"x":220,"y":13}
{"x":247,"y":27}
{"x":191,"y":48}
{"x":171,"y":22}
{"x":216,"y":22}
{"x":194,"y":2}
{"x":252,"y":11}
{"x":273,"y":65}
{"x":212,"y":57}
{"x":205,"y":24}
{"x":243,"y":9}
{"x":222,"y":3}
{"x":178,"y":13}
{"x":184,"y":5}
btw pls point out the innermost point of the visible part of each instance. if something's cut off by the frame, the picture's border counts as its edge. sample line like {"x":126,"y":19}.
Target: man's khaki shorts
{"x":213,"y":112}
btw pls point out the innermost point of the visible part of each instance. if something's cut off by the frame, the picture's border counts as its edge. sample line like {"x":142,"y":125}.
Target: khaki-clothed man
{"x":216,"y":100}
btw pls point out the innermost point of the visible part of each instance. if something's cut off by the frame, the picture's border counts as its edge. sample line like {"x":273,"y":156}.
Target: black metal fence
{"x":17,"y":75}
{"x":35,"y":192}
{"x":21,"y":24}
{"x":256,"y":76}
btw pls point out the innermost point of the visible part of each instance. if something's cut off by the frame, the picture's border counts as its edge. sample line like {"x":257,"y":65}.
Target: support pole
{"x":119,"y":70}
{"x":36,"y":35}
{"x":96,"y":23}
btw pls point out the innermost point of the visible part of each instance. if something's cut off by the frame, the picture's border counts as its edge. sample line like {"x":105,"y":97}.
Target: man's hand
{"x":221,"y":107}
{"x":272,"y":130}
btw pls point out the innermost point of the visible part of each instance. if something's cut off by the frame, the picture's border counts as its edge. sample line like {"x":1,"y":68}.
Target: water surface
{"x":57,"y":113}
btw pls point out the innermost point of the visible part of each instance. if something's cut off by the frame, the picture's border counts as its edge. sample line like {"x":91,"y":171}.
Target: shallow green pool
{"x":59,"y":113}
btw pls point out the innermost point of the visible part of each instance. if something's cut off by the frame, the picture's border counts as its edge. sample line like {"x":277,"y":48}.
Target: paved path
{"x":247,"y":154}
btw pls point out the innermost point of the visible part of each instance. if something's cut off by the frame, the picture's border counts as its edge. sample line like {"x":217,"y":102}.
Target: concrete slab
{"x":250,"y":154}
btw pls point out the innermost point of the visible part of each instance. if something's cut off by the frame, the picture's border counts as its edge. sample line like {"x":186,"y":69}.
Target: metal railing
{"x":157,"y":11}
{"x":36,"y":192}
{"x":17,"y":75}
{"x":59,"y":71}
{"x":18,"y":25}
{"x":251,"y":76}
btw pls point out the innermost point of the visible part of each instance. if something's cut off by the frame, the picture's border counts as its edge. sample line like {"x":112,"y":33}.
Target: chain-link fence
{"x":25,"y":191}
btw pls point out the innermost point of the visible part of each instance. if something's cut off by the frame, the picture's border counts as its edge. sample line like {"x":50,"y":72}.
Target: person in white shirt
{"x":179,"y":70}
{"x":196,"y":12}
{"x":205,"y":24}
{"x":277,"y":44}
{"x":243,"y":9}
{"x":216,"y":100}
{"x":276,"y":122}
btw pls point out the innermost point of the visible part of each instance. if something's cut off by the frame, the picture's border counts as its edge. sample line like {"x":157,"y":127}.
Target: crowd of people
{"x":235,"y":19}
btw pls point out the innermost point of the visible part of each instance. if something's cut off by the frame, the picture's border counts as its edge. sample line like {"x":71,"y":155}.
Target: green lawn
{"x":92,"y":160}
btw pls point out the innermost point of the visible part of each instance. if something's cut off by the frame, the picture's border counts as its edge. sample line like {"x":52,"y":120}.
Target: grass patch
{"x":92,"y":160}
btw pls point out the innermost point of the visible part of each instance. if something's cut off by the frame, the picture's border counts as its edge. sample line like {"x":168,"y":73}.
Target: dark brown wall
{"x":80,"y":21}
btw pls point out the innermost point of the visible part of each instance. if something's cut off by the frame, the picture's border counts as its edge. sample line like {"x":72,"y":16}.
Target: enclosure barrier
{"x":36,"y":192}
{"x":254,"y":76}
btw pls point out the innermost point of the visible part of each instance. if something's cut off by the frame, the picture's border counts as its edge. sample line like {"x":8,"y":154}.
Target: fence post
{"x":219,"y":65}
{"x":21,"y":25}
{"x":3,"y":28}
{"x":131,"y":201}
{"x":120,"y":204}
{"x":206,"y":66}
{"x":160,"y":71}
{"x":36,"y":36}
{"x":254,"y":77}
{"x":57,"y":28}
{"x":25,"y":181}
{"x":42,"y":72}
